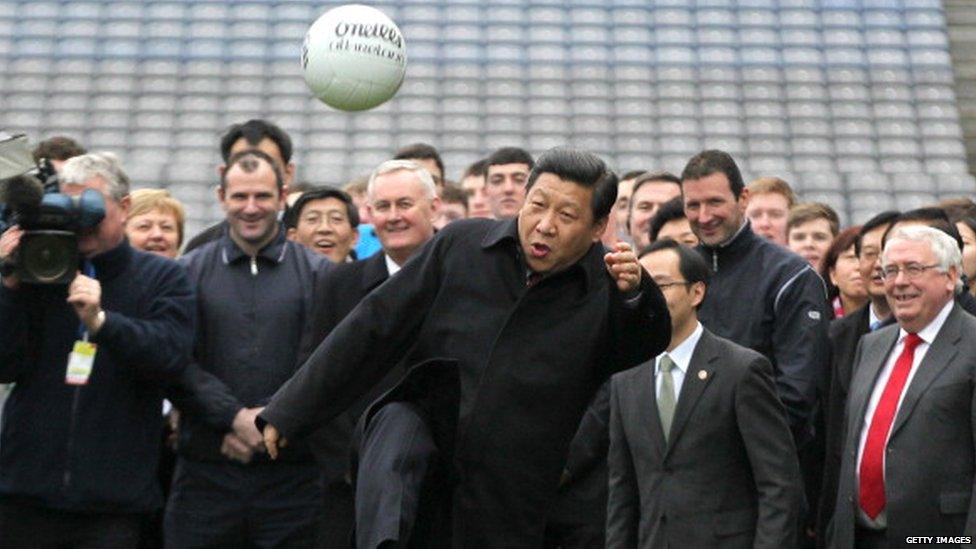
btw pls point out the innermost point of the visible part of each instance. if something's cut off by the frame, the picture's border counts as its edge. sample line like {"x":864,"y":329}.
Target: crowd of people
{"x":539,"y":354}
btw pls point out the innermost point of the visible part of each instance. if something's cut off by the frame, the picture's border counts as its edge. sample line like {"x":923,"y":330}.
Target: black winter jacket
{"x":93,"y":448}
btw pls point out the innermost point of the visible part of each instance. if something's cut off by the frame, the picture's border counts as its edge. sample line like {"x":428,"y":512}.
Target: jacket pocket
{"x":954,"y":503}
{"x":729,"y":523}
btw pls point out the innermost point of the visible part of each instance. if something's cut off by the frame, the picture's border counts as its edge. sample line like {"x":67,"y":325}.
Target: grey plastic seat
{"x":868,"y":182}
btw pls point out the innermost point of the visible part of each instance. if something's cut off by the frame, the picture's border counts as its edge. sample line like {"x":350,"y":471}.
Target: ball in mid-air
{"x":354,"y":57}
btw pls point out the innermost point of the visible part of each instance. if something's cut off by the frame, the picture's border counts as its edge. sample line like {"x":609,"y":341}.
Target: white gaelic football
{"x":354,"y":57}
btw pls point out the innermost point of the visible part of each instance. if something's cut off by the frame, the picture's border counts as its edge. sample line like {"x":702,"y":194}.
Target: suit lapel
{"x":702,"y":360}
{"x":374,"y":272}
{"x":863,"y":379}
{"x":937,"y":358}
{"x":645,"y":402}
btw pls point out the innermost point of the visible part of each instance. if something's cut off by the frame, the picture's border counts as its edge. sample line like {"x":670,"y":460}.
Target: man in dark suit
{"x":535,"y":315}
{"x":701,"y":453}
{"x":845,"y":333}
{"x":908,"y":462}
{"x":402,"y":231}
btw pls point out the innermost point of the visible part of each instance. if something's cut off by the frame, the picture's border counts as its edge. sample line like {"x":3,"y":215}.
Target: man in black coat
{"x":535,"y":322}
{"x":402,"y":231}
{"x":845,"y":334}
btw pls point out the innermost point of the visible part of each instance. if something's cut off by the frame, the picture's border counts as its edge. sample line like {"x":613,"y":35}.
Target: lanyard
{"x":89,"y":270}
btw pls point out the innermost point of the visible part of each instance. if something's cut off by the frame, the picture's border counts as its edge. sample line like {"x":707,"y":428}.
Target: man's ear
{"x":124,"y":205}
{"x":596,"y":232}
{"x":435,"y":207}
{"x":744,"y":199}
{"x":698,"y":289}
{"x":283,"y":197}
{"x":291,"y":233}
{"x":952,"y":276}
{"x":289,"y":173}
{"x":221,"y":195}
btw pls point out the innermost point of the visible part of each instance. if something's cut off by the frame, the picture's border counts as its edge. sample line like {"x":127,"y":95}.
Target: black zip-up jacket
{"x":92,"y":448}
{"x":255,"y":331}
{"x":767,"y":298}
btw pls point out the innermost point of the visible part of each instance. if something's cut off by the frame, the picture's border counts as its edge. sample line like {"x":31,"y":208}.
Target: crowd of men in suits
{"x":540,"y":355}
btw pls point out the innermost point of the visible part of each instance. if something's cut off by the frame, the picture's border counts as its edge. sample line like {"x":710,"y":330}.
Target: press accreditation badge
{"x":80,"y":363}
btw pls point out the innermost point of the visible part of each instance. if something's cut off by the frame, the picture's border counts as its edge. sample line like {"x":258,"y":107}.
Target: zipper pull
{"x":715,"y":261}
{"x":254,"y":266}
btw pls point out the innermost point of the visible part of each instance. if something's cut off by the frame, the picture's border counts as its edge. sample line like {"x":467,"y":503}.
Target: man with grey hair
{"x":400,"y":193}
{"x":80,"y":439}
{"x":403,"y":205}
{"x":908,"y":465}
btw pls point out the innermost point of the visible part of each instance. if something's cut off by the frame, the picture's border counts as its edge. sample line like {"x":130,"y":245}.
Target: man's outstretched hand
{"x":273,"y":440}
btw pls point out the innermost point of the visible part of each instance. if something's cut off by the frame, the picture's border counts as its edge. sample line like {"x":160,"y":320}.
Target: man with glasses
{"x":907,"y":468}
{"x":324,"y":219}
{"x":700,"y":448}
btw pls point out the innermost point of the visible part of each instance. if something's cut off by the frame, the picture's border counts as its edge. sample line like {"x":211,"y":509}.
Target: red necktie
{"x":872,"y":459}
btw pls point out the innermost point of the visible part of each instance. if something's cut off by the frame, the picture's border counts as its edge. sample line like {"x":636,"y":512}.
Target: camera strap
{"x":82,"y":357}
{"x":88,"y":270}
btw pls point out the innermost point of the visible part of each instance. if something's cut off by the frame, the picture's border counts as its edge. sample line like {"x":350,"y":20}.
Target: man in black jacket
{"x":79,"y":448}
{"x":257,"y":296}
{"x":527,"y":310}
{"x":762,"y":296}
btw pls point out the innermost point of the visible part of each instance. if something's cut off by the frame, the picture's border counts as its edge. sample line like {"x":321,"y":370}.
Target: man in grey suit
{"x":701,"y":453}
{"x":908,"y":459}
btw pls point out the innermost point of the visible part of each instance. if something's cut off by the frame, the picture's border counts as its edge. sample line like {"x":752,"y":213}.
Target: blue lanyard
{"x":89,"y":270}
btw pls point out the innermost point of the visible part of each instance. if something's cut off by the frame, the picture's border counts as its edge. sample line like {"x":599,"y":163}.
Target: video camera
{"x":48,"y":250}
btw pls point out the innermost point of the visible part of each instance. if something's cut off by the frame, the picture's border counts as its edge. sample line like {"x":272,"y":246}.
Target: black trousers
{"x":396,"y":456}
{"x":24,"y":526}
{"x":870,"y":539}
{"x":230,"y":505}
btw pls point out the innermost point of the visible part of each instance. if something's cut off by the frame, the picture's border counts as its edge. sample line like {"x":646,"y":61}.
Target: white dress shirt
{"x":927,"y":334}
{"x":681,"y":355}
{"x":872,"y":317}
{"x":391,"y":266}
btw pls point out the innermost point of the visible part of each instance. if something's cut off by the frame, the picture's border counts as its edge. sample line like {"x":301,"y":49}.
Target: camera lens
{"x":48,"y":257}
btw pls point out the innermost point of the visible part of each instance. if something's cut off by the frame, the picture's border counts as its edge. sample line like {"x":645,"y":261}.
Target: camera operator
{"x":80,"y":438}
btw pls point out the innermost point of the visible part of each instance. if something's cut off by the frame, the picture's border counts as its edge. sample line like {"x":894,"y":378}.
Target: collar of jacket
{"x":506,"y":230}
{"x":111,"y":263}
{"x":273,"y":251}
{"x":740,"y":242}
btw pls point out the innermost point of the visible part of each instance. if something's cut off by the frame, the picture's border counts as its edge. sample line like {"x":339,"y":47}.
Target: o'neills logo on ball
{"x":365,"y":30}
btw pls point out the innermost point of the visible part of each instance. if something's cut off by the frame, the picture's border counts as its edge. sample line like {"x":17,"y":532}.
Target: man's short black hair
{"x":933,"y":216}
{"x":59,"y":147}
{"x":583,"y":168}
{"x":647,"y":178}
{"x":253,"y":131}
{"x":884,"y":218}
{"x":632,"y":174}
{"x":451,"y":194}
{"x":245,"y":159}
{"x":420,"y":151}
{"x":691,"y":264}
{"x":510,"y":155}
{"x":669,"y":211}
{"x":714,"y":161}
{"x":477,"y":169}
{"x":301,"y":187}
{"x":294,"y":213}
